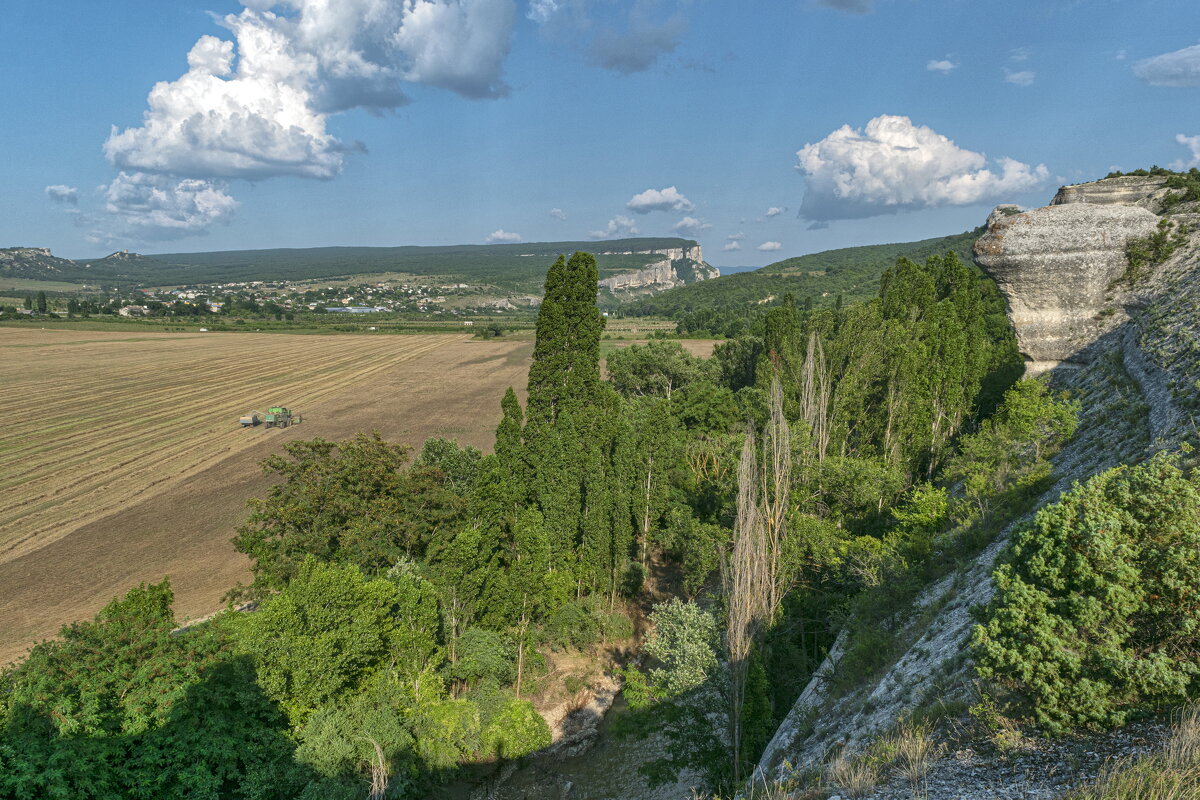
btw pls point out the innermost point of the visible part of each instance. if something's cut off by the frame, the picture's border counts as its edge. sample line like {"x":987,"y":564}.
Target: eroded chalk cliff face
{"x":679,"y":266}
{"x":1057,"y":266}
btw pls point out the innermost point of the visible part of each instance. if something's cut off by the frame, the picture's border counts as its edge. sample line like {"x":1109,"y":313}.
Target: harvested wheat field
{"x":121,"y":458}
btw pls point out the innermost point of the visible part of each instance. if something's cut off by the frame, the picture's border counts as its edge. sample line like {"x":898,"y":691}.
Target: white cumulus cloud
{"x":775,"y":211}
{"x":558,"y":213}
{"x":892,"y":165}
{"x":617,"y":226}
{"x":690,"y":226}
{"x":148,"y":207}
{"x":668,"y":199}
{"x":768,"y":247}
{"x":731,"y":245}
{"x":1177,"y":68}
{"x":459,"y":45}
{"x":64,"y":195}
{"x":1025,"y":77}
{"x":942,"y":65}
{"x":1193,"y":144}
{"x":257,"y":105}
{"x":502,"y":235}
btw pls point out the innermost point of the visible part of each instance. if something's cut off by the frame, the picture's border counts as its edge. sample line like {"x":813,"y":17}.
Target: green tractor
{"x":280,"y":417}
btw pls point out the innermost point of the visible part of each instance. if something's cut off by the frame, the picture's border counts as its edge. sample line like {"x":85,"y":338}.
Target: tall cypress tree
{"x":568,"y":442}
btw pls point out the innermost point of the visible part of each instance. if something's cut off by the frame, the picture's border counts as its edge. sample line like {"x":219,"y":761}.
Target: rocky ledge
{"x":1127,"y":190}
{"x":1056,"y":266}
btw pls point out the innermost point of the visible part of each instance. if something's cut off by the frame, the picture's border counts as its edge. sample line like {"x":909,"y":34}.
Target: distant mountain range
{"x":852,"y":272}
{"x":505,"y":266}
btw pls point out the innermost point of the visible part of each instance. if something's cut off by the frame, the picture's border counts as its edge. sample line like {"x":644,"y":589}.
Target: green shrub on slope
{"x":1098,"y":611}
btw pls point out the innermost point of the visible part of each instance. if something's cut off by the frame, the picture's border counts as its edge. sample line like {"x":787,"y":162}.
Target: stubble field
{"x":121,"y":459}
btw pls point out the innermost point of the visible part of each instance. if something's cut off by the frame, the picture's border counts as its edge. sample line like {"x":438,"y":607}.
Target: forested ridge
{"x":726,"y":306}
{"x":737,"y":512}
{"x":511,"y":266}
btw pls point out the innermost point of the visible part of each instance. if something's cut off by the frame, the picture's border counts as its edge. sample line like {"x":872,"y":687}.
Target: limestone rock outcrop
{"x":1056,"y":266}
{"x":680,"y":265}
{"x":37,"y":263}
{"x":1127,"y":190}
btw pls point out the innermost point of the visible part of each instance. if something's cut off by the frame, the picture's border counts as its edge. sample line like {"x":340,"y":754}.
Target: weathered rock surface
{"x":1055,"y":266}
{"x":1128,"y":190}
{"x":679,"y":265}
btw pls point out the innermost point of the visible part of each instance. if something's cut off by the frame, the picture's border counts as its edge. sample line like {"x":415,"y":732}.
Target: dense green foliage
{"x":123,"y":707}
{"x":351,"y":503}
{"x":1145,"y":253}
{"x":407,"y":609}
{"x":725,"y":304}
{"x":1096,"y":612}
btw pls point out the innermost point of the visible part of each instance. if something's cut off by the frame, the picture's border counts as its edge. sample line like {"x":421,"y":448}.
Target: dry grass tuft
{"x":1173,"y":774}
{"x":854,"y":776}
{"x":914,"y":752}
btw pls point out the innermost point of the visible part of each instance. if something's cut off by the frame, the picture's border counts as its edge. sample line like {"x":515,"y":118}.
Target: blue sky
{"x":764,"y":128}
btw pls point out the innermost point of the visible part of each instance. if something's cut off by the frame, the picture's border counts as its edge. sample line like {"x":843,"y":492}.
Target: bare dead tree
{"x":379,"y":773}
{"x":741,"y":574}
{"x":751,"y":573}
{"x":776,"y":478}
{"x":815,"y":390}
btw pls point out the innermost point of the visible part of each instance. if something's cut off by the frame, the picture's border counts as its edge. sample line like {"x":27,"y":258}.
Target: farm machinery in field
{"x":276,"y":417}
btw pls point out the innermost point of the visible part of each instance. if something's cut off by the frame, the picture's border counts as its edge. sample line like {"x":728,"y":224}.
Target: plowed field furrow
{"x":92,"y":426}
{"x":144,"y":388}
{"x":153,"y":410}
{"x":145,"y":453}
{"x":168,"y":449}
{"x":129,"y":397}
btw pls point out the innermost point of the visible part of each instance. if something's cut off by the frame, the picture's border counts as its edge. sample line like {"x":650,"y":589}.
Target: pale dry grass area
{"x":1173,"y":774}
{"x":121,"y":458}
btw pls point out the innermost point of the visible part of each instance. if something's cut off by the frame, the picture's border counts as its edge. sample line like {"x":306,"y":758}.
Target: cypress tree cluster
{"x":566,"y":460}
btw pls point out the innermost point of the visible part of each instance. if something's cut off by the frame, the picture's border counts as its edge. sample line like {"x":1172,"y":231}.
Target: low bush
{"x":1096,"y":613}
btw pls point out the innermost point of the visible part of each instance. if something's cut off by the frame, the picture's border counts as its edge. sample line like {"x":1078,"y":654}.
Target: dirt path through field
{"x":178,"y":512}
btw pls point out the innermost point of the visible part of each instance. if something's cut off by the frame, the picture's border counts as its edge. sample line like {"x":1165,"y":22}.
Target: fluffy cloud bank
{"x":770,"y":247}
{"x":1179,"y":68}
{"x":65,"y":195}
{"x":1190,"y":142}
{"x":942,"y":65}
{"x":149,"y":207}
{"x":617,"y":226}
{"x":502,"y":235}
{"x":257,"y":106}
{"x":690,"y":226}
{"x":668,"y":199}
{"x":892,"y":165}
